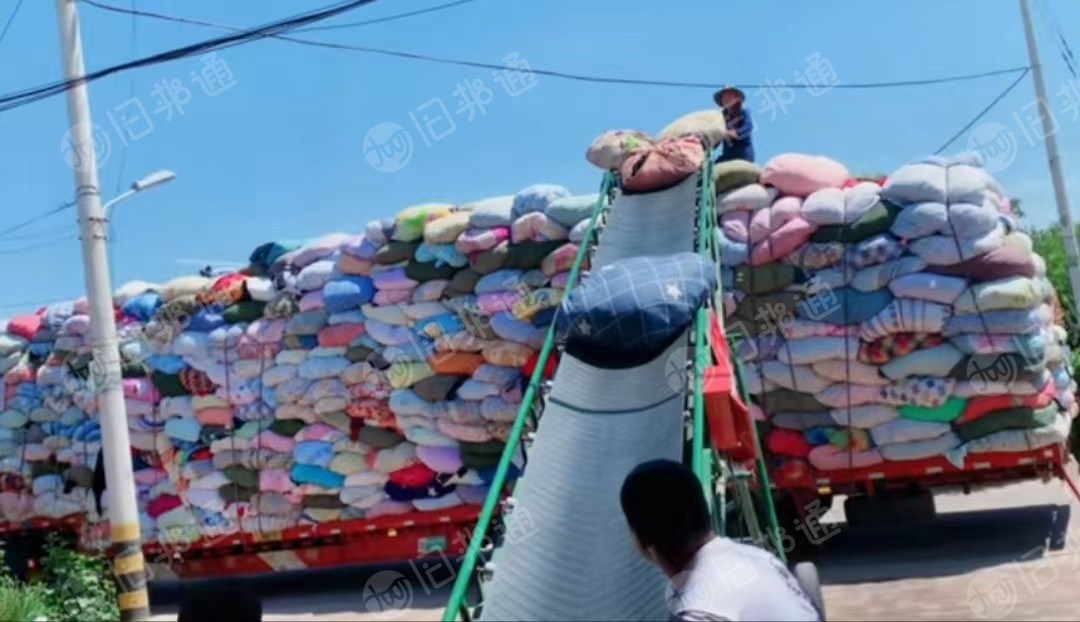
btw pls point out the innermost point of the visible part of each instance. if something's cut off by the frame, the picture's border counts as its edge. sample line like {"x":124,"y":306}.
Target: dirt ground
{"x":1003,"y":554}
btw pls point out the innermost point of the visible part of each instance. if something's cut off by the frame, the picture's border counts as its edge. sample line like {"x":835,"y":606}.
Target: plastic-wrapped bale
{"x":897,"y":319}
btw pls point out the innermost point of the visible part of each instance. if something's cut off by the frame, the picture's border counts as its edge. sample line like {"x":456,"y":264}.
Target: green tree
{"x":1047,"y":243}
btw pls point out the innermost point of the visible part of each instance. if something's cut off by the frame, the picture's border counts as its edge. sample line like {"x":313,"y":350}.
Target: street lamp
{"x":153,"y":179}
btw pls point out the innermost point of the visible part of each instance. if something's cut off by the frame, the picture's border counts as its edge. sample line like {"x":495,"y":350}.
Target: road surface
{"x":1003,"y":554}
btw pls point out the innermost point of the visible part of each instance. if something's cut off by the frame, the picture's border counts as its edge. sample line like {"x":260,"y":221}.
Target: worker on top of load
{"x":738,"y":144}
{"x":712,"y":578}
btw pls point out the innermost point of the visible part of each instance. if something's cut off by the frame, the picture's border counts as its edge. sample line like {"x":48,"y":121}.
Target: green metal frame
{"x":713,"y":470}
{"x":457,"y":605}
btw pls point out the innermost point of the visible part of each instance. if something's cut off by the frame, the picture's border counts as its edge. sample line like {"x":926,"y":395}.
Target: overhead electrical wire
{"x":55,"y":241}
{"x":983,"y":113}
{"x":27,"y":303}
{"x":26,"y":96}
{"x":22,"y":98}
{"x":44,"y":233}
{"x":39,"y":217}
{"x":388,"y":18}
{"x":131,"y":95}
{"x":10,"y":20}
{"x":1046,"y":12}
{"x":548,"y":72}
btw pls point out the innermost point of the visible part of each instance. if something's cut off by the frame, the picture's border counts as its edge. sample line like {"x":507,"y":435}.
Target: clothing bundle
{"x":347,"y":377}
{"x":890,"y":320}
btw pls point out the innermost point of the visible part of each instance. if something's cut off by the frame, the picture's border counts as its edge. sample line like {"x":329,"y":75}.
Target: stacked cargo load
{"x":350,"y":377}
{"x":889,"y":320}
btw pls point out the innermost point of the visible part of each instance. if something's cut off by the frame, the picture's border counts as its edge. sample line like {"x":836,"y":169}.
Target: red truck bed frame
{"x":381,"y":541}
{"x":931,"y":473}
{"x":731,"y":430}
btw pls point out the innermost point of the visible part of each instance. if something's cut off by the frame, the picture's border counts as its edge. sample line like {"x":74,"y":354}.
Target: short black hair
{"x":665,"y":506}
{"x":202,"y":604}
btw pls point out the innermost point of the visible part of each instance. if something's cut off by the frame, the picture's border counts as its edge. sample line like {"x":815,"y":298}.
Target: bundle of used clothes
{"x":352,"y":376}
{"x":889,"y":320}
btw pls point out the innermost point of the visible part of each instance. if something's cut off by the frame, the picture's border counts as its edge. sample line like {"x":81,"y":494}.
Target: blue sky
{"x":279,"y":155}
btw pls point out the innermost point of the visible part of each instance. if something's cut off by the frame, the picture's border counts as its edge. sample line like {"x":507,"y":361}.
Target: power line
{"x":40,"y":234}
{"x":552,"y":73}
{"x":56,"y":241}
{"x":1046,"y":12}
{"x":28,"y":303}
{"x":26,"y":96}
{"x":10,"y":19}
{"x":131,"y":95}
{"x":39,"y":217}
{"x":983,"y":113}
{"x":388,"y":18}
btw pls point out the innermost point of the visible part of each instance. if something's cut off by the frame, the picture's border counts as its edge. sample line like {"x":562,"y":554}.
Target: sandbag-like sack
{"x":569,"y":211}
{"x":941,"y":180}
{"x":536,"y":198}
{"x":446,"y":230}
{"x":661,"y":166}
{"x":801,"y":175}
{"x":493,"y":212}
{"x":748,"y":198}
{"x":708,"y":125}
{"x":626,"y":313}
{"x":410,"y":222}
{"x":734,"y":174}
{"x":611,"y":149}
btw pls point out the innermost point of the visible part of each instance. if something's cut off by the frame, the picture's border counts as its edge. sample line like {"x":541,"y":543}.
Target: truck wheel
{"x":19,"y":553}
{"x":795,"y":541}
{"x":903,"y":508}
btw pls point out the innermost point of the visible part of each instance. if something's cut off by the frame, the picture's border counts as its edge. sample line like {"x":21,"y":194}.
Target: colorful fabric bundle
{"x":911,"y":313}
{"x":337,"y":377}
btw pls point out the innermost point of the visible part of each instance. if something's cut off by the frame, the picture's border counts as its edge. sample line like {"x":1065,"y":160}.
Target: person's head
{"x":665,"y":507}
{"x":729,"y":98}
{"x":220,"y":603}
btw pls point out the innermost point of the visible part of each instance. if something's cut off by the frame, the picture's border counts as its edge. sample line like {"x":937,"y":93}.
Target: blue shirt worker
{"x":737,"y":143}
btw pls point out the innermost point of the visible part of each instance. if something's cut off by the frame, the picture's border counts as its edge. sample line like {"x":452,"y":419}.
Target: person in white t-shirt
{"x":712,"y":578}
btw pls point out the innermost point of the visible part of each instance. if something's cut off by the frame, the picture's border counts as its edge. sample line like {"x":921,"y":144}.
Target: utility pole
{"x":1068,"y":229}
{"x":128,"y":565}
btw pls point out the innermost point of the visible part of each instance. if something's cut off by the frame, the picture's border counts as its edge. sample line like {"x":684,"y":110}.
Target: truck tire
{"x":903,"y":508}
{"x":19,"y":552}
{"x":797,"y":545}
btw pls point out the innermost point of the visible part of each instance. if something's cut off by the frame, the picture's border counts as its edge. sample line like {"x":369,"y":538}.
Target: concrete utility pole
{"x":1068,"y":229}
{"x":129,"y":566}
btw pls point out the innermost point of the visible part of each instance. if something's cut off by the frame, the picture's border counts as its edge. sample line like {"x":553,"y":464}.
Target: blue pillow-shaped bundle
{"x":442,"y":324}
{"x":348,"y":293}
{"x":569,"y":211}
{"x":537,"y":198}
{"x":320,"y":476}
{"x":627,"y":313}
{"x":142,"y":307}
{"x":545,"y":317}
{"x":843,"y":306}
{"x":165,"y":363}
{"x":204,"y":321}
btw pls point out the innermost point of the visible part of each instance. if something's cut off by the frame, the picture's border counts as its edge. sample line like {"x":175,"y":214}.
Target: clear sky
{"x":280,"y":154}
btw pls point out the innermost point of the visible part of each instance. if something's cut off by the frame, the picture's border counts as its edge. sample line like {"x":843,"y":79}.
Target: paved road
{"x":990,"y":555}
{"x":1011,"y":553}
